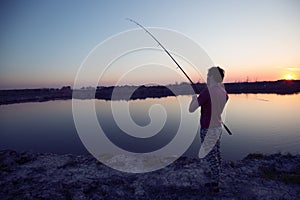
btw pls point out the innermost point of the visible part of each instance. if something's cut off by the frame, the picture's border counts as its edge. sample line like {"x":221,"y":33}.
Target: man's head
{"x":215,"y":74}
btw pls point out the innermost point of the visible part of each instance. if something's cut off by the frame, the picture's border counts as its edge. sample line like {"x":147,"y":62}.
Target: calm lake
{"x":261,"y":123}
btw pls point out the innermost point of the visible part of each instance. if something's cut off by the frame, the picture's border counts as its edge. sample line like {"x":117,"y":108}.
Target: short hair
{"x":217,"y":73}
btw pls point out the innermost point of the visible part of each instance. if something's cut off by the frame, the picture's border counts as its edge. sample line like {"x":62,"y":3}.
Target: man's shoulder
{"x":204,"y":94}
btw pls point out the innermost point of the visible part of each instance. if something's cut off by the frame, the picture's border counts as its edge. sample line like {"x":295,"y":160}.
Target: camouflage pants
{"x":213,"y":157}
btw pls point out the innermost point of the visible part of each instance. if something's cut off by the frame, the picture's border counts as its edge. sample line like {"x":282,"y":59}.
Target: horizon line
{"x":132,"y":85}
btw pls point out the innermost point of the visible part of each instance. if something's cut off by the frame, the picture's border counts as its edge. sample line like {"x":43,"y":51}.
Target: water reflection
{"x":268,"y":126}
{"x":40,"y":127}
{"x":151,"y":134}
{"x":265,"y":123}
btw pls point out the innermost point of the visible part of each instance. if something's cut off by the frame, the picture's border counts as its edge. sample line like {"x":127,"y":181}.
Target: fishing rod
{"x":194,"y":88}
{"x":192,"y":84}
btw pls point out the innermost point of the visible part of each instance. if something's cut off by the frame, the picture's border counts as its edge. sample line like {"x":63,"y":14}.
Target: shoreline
{"x":280,"y":87}
{"x":50,"y":176}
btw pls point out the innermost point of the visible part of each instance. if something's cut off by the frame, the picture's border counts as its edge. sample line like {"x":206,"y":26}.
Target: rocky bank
{"x":27,"y":175}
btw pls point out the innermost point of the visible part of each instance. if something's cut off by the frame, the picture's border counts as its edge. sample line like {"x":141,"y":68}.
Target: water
{"x":261,"y":123}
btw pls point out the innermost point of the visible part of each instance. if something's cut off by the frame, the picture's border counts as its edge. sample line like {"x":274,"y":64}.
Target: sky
{"x":44,"y":43}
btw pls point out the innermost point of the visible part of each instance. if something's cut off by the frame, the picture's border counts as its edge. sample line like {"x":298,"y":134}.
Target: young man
{"x":212,"y":100}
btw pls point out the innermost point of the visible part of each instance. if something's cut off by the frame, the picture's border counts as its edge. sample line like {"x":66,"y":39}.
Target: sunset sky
{"x":43,"y":43}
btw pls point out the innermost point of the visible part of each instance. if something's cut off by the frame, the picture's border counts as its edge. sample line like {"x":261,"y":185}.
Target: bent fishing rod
{"x":192,"y":84}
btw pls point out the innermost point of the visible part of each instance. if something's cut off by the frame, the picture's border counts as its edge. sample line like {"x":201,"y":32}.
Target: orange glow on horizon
{"x":289,"y":77}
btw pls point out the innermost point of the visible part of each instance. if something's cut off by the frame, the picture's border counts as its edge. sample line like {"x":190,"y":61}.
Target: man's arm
{"x":194,"y":104}
{"x":200,"y":100}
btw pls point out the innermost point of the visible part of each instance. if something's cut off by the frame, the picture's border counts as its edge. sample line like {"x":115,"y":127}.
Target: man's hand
{"x":194,"y":97}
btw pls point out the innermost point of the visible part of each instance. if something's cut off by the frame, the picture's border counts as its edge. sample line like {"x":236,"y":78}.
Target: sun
{"x":289,"y":77}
